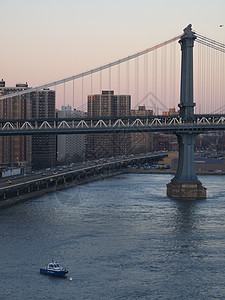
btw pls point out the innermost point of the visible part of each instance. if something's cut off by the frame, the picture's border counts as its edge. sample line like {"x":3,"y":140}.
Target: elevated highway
{"x":20,"y":188}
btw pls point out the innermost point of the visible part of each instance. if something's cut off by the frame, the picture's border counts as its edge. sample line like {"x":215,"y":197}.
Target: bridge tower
{"x":185,"y":184}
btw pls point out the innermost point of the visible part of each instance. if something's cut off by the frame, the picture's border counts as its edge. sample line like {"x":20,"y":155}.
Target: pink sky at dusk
{"x":48,"y":40}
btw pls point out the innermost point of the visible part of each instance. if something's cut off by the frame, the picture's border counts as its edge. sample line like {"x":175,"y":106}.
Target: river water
{"x":120,"y":238}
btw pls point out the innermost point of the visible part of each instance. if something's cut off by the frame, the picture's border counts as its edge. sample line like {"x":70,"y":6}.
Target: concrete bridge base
{"x":186,"y":190}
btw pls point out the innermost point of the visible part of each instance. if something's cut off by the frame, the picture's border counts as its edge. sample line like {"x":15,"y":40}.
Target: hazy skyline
{"x":46,"y":41}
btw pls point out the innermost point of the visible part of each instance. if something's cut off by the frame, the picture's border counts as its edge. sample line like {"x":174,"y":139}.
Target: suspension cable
{"x":84,"y":74}
{"x":210,"y":43}
{"x":219,"y":44}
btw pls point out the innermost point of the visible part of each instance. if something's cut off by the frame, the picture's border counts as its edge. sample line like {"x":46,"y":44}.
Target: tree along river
{"x":120,"y":238}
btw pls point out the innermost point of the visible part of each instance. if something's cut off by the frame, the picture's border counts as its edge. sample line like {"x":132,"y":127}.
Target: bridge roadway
{"x":170,"y":124}
{"x":23,"y":187}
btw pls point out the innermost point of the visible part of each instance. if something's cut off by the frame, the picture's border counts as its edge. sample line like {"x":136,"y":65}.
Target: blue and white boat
{"x":54,"y":268}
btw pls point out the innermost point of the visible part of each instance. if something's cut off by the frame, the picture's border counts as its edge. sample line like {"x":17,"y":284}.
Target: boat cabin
{"x":54,"y":265}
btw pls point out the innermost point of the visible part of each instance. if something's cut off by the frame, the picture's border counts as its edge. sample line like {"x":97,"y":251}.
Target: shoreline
{"x":15,"y":200}
{"x":158,"y":171}
{"x":27,"y":196}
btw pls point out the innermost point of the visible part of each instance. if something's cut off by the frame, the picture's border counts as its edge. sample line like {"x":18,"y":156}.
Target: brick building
{"x":108,"y":105}
{"x":43,"y":146}
{"x":36,"y":151}
{"x":15,"y":150}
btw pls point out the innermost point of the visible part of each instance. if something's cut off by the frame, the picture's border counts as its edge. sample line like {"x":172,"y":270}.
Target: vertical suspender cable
{"x":55,"y":86}
{"x":202,"y":59}
{"x":212,"y":78}
{"x":82,"y":91}
{"x":215,"y":77}
{"x":173,"y":78}
{"x":118,"y":79}
{"x":109,"y":78}
{"x":128,"y":77}
{"x":155,"y":75}
{"x":110,"y":99}
{"x":218,"y":72}
{"x":73,"y":94}
{"x":164,"y":74}
{"x":100,"y":79}
{"x":146,"y":74}
{"x":118,"y":89}
{"x":91,"y":83}
{"x":162,"y":77}
{"x":203,"y":70}
{"x":206,"y":70}
{"x":222,"y":91}
{"x":219,"y":79}
{"x":197,"y":79}
{"x":222,"y":79}
{"x":171,"y":68}
{"x":207,"y":81}
{"x":64,"y":94}
{"x":136,"y":80}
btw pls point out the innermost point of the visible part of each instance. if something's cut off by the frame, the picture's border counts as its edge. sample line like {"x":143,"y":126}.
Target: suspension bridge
{"x":152,"y":77}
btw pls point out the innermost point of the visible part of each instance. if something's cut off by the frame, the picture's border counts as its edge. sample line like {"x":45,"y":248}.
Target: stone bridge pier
{"x":185,"y":184}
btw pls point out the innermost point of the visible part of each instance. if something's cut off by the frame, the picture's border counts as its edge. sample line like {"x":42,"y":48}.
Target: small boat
{"x":54,"y":268}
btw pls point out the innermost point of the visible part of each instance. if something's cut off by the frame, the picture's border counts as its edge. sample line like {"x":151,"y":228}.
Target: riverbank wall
{"x":31,"y":195}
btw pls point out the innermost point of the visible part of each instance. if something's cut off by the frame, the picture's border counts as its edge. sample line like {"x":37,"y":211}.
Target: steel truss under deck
{"x":171,"y":124}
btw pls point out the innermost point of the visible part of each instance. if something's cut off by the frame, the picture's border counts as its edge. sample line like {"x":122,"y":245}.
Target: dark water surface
{"x":121,"y":238}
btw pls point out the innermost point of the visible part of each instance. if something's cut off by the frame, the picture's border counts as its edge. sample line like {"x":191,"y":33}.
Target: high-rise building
{"x":43,"y":146}
{"x":108,"y":105}
{"x":15,"y":150}
{"x":70,"y":147}
{"x":36,"y":151}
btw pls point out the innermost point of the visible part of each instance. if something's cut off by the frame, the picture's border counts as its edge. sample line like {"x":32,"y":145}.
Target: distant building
{"x":203,"y":164}
{"x":164,"y":142}
{"x":146,"y":142}
{"x":70,"y":147}
{"x":171,"y":112}
{"x":141,"y":142}
{"x":108,"y":105}
{"x":142,"y":111}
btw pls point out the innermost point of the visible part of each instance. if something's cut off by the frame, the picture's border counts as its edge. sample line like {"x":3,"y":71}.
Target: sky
{"x":47,"y":40}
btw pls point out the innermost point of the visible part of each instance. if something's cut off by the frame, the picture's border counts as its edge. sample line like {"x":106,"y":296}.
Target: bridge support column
{"x":185,"y":184}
